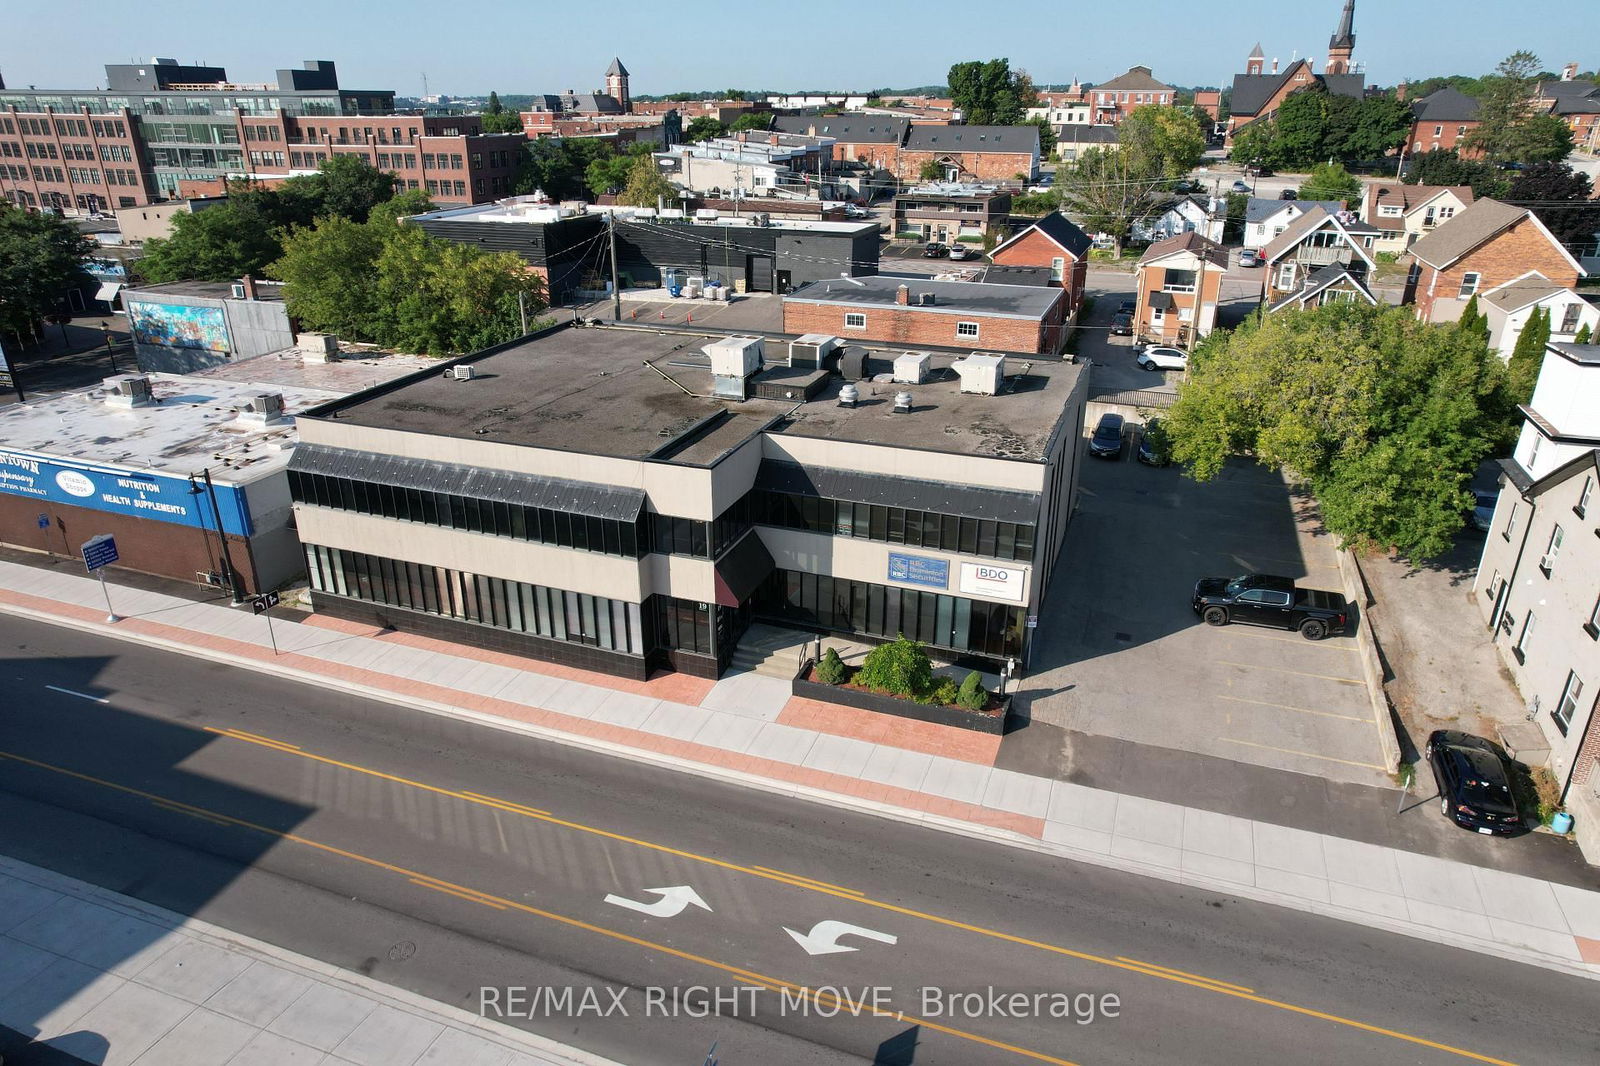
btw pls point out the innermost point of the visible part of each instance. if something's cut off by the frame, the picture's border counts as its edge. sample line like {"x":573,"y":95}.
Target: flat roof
{"x":975,"y":297}
{"x":193,"y":425}
{"x":266,"y":291}
{"x":588,"y":390}
{"x":510,"y":211}
{"x":358,"y":367}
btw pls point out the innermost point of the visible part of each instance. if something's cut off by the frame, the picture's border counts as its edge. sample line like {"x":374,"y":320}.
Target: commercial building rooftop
{"x":190,"y":424}
{"x":527,"y":210}
{"x":212,"y":290}
{"x":1021,"y":301}
{"x":638,"y":392}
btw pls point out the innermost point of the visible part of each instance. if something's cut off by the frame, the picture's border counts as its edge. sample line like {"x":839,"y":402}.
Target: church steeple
{"x":1343,"y":42}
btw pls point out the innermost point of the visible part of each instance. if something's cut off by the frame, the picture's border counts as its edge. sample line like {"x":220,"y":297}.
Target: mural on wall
{"x":179,"y":327}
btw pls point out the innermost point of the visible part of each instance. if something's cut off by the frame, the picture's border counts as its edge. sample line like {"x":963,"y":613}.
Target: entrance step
{"x":771,"y":651}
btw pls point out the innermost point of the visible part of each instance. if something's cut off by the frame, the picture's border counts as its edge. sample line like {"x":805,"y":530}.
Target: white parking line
{"x":1306,"y":754}
{"x":1297,"y":673}
{"x":1302,"y":710}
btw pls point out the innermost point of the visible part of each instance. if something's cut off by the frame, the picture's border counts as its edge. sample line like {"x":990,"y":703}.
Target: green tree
{"x":344,"y":185}
{"x":497,"y":118}
{"x":402,"y":205}
{"x":559,"y":168}
{"x":1111,"y":188}
{"x":608,"y":174}
{"x":931,"y":170}
{"x":647,"y":185}
{"x":1583,"y":334}
{"x":1384,"y":416}
{"x":1331,"y":181}
{"x":1301,"y":127}
{"x":1233,"y":223}
{"x":1047,"y":137}
{"x":1540,"y":139}
{"x":988,"y":93}
{"x":972,"y":695}
{"x":438,"y":297}
{"x":1562,"y":198}
{"x":830,"y":668}
{"x":704,"y":128}
{"x":1256,"y":143}
{"x":1528,"y":355}
{"x":1472,"y":319}
{"x":329,"y":272}
{"x":1504,"y":108}
{"x":217,"y":244}
{"x":900,"y":668}
{"x":1442,"y":166}
{"x":1166,"y":136}
{"x":1381,"y":126}
{"x":750,"y":121}
{"x":41,"y":256}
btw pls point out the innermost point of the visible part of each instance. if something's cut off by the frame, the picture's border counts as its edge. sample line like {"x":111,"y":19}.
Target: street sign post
{"x":8,"y":375}
{"x":99,"y":553}
{"x":263,"y":604}
{"x":44,"y":521}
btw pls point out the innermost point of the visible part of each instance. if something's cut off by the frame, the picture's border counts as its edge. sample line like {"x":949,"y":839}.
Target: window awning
{"x":741,"y":570}
{"x":108,"y":290}
{"x":1161,"y":301}
{"x":529,"y":490}
{"x":967,"y":501}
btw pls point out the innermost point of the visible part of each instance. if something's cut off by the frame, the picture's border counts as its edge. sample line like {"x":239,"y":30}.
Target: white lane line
{"x":80,"y":695}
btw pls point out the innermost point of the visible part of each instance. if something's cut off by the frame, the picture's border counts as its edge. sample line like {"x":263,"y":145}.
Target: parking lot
{"x":1121,"y":654}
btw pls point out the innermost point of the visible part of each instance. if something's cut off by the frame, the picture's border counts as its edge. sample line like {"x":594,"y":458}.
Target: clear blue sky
{"x":467,"y":47}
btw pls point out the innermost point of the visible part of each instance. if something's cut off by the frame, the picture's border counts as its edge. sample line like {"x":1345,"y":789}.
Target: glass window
{"x":1571,"y":692}
{"x":986,"y":537}
{"x":843,"y":519}
{"x":1005,"y":544}
{"x":967,"y":329}
{"x":1024,"y":550}
{"x":862,"y":520}
{"x":1582,"y":506}
{"x":1469,"y":284}
{"x":580,"y":532}
{"x":1525,"y":638}
{"x":853,"y":320}
{"x":880,"y":522}
{"x":897,"y":525}
{"x":930,"y":530}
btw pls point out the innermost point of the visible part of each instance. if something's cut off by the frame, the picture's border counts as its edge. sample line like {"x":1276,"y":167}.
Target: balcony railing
{"x":1323,"y":256}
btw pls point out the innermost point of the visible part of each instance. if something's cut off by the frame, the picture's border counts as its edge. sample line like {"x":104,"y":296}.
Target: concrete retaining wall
{"x":1357,"y":592}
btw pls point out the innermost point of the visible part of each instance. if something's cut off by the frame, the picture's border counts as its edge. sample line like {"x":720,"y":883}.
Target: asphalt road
{"x":445,"y":858}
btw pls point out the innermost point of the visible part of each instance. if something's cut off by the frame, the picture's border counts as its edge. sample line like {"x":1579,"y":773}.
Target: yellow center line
{"x":1307,"y":754}
{"x":265,"y":740}
{"x":801,"y":879}
{"x":1185,"y":973}
{"x":1297,"y":673}
{"x":1302,"y":710}
{"x":505,"y":804}
{"x":950,"y":923}
{"x":475,"y":896}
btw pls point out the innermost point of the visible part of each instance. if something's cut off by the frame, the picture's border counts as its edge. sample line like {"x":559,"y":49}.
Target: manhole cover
{"x":1126,"y":638}
{"x":402,"y":951}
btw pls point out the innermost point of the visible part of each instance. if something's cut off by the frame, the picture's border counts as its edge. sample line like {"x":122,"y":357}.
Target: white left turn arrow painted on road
{"x":671,"y":904}
{"x":824,"y":937}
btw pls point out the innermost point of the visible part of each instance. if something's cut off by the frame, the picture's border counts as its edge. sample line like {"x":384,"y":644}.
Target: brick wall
{"x":1035,"y":249}
{"x":1511,"y":254}
{"x":145,"y":545}
{"x":1450,"y":135}
{"x":982,"y":166}
{"x":913,"y":326}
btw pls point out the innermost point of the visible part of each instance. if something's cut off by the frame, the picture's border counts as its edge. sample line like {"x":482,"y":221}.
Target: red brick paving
{"x":926,"y":737}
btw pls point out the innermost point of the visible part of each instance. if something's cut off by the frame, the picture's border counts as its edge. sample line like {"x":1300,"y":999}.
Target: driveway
{"x":1113,"y":357}
{"x":1122,"y":655}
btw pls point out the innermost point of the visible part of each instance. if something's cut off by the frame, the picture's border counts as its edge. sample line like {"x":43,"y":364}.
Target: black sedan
{"x":1122,"y":324}
{"x":1474,"y":791}
{"x":1107,"y":440}
{"x":935,"y":250}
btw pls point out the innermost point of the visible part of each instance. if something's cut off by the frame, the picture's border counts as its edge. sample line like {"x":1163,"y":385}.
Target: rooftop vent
{"x":849,"y":395}
{"x":902,"y":403}
{"x":264,"y":409}
{"x":130,"y":390}
{"x":925,"y":299}
{"x":461,"y":373}
{"x":981,"y":374}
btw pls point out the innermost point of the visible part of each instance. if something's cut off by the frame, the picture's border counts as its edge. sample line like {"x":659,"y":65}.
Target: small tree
{"x":900,"y":668}
{"x":647,"y":185}
{"x":1473,"y":321}
{"x":1528,"y":355}
{"x":973,"y":696}
{"x":932,"y":170}
{"x":830,"y":668}
{"x":1583,"y":334}
{"x":1331,"y":181}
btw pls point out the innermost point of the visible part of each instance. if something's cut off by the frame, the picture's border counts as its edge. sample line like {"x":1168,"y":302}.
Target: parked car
{"x":1483,"y":503}
{"x":1155,"y":447}
{"x":935,"y":250}
{"x":1289,"y":194}
{"x":1126,"y":307}
{"x":856,"y":211}
{"x":1186,"y":186}
{"x":1160,"y":357}
{"x":1474,"y":791}
{"x":1249,"y":257}
{"x":1256,"y":170}
{"x":1239,"y":186}
{"x":1122,"y":324}
{"x":1268,"y":600}
{"x":1107,"y":440}
{"x":961,"y":251}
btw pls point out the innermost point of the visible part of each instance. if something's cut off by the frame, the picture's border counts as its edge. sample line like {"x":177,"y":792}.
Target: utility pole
{"x":522,"y":311}
{"x":616,"y":287}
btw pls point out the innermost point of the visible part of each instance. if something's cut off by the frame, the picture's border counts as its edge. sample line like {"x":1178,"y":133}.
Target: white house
{"x":1061,"y":114}
{"x":1403,"y":213}
{"x":1189,"y":214}
{"x":1508,"y":306}
{"x":1265,"y":219}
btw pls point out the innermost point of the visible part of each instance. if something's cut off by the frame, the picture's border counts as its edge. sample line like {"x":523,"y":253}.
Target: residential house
{"x":1485,"y":245}
{"x":971,"y":153}
{"x":1265,"y":219}
{"x":1187,"y":214}
{"x":1508,"y":307}
{"x":1577,"y":103}
{"x":1325,"y":285}
{"x":1114,"y":100}
{"x":1258,"y":93}
{"x":1073,"y":140}
{"x":1539,"y":576}
{"x":974,"y":316}
{"x":1179,"y":285}
{"x":951,"y":212}
{"x":1442,"y":119}
{"x":1070,"y":108}
{"x":1403,"y":213}
{"x":1315,"y":240}
{"x":1056,"y":243}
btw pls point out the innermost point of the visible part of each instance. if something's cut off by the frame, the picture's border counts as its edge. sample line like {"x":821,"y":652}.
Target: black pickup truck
{"x":1269,"y":601}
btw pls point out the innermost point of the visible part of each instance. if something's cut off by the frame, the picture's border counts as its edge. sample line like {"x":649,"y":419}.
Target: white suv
{"x":1157,"y":357}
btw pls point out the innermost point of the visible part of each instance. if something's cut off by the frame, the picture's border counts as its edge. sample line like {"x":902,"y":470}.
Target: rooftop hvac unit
{"x":981,"y":374}
{"x":925,"y":299}
{"x":238,"y":291}
{"x":912,"y":369}
{"x":735,"y":356}
{"x":130,"y":390}
{"x":852,"y":363}
{"x":268,"y":405}
{"x":317,"y":344}
{"x":462,"y":373}
{"x":812,"y":350}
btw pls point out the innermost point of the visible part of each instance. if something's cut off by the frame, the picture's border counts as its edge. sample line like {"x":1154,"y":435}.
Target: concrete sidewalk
{"x":112,"y":980}
{"x":750,"y":730}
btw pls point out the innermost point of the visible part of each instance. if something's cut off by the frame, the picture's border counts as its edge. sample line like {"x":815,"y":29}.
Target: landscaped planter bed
{"x":990,"y":720}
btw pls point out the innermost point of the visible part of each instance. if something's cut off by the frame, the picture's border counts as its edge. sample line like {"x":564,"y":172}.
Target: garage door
{"x":758,"y":273}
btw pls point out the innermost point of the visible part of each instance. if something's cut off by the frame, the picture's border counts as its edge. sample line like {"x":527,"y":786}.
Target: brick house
{"x":1484,"y":246}
{"x":871,"y":139}
{"x":973,"y":316}
{"x":1114,"y":100}
{"x":1179,"y":284}
{"x":943,"y":212}
{"x":1575,"y":102}
{"x":1315,"y":240}
{"x":1056,"y":243}
{"x":1442,"y":119}
{"x":1405,"y":213}
{"x":970,"y":153}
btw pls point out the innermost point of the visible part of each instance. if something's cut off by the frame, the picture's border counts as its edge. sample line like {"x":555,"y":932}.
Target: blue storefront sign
{"x":142,"y":495}
{"x":919,"y":570}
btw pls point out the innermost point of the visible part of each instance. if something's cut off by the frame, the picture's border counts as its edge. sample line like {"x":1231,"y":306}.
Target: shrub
{"x":900,"y":668}
{"x":945,"y":692}
{"x":830,"y":669}
{"x":973,"y":696}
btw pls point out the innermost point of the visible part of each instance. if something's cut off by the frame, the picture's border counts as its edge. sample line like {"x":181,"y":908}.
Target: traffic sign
{"x":44,"y":521}
{"x":265,"y":602}
{"x":99,"y":552}
{"x":1033,"y":621}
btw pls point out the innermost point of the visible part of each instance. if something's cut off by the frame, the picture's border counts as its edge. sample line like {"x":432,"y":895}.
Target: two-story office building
{"x":626,"y":499}
{"x":947,"y":212}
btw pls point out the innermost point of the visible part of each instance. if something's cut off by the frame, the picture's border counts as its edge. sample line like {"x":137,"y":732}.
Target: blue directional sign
{"x":44,"y":521}
{"x":99,"y":551}
{"x":919,"y":570}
